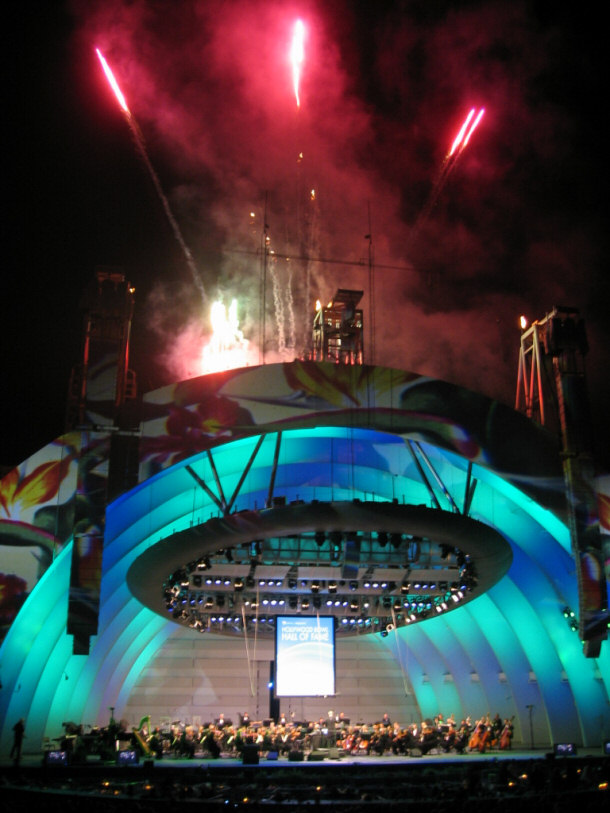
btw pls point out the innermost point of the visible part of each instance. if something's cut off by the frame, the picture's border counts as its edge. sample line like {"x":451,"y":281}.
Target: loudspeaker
{"x":271,"y":754}
{"x":316,"y":756}
{"x":295,"y":756}
{"x":250,"y":755}
{"x":333,"y":753}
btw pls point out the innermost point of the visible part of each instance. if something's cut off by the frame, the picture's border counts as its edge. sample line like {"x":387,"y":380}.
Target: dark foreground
{"x":519,"y":781}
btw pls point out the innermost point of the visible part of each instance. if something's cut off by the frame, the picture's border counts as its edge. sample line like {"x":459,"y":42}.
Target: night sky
{"x":519,"y":225}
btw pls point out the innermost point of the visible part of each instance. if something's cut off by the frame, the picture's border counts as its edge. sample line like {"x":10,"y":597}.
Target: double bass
{"x":507,"y":735}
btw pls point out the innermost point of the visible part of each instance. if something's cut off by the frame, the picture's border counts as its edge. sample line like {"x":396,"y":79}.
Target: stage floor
{"x":33,"y":760}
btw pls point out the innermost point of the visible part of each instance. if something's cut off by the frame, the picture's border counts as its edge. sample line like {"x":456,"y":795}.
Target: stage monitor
{"x":56,"y":758}
{"x":129,"y":757}
{"x":564,"y":749}
{"x":304,"y":656}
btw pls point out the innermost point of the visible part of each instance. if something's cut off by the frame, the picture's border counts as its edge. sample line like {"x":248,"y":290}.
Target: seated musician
{"x":428,"y":738}
{"x":282,"y":742}
{"x":155,"y":743}
{"x":186,"y":745}
{"x":363,"y":741}
{"x":315,"y":737}
{"x":380,"y":741}
{"x":447,"y":738}
{"x":462,"y":737}
{"x":399,"y":740}
{"x":209,"y":742}
{"x":269,"y":737}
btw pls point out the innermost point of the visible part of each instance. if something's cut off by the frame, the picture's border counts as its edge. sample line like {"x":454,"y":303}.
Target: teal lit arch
{"x":509,"y":649}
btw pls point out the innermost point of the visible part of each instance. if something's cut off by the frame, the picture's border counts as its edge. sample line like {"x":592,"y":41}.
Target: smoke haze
{"x":385,"y":88}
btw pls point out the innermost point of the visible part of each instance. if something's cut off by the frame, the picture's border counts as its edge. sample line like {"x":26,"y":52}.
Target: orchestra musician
{"x":438,"y":735}
{"x":209,"y":741}
{"x":155,"y":743}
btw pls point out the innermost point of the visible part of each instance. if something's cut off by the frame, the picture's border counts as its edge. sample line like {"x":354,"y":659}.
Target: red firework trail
{"x":458,"y":146}
{"x":460,"y":135}
{"x":474,"y":126}
{"x":113,"y":82}
{"x":141,"y":146}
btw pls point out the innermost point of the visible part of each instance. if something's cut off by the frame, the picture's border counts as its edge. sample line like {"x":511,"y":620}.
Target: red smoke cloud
{"x":382,"y":94}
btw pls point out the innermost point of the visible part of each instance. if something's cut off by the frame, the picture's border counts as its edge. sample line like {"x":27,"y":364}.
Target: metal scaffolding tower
{"x":551,"y":388}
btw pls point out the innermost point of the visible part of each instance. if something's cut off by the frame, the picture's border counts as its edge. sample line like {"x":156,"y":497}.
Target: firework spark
{"x":460,"y":135}
{"x":473,"y":128}
{"x":113,"y":82}
{"x":227,"y":348}
{"x":297,"y":56}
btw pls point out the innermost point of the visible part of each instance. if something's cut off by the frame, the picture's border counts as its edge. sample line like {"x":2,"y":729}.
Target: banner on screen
{"x":304,"y":656}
